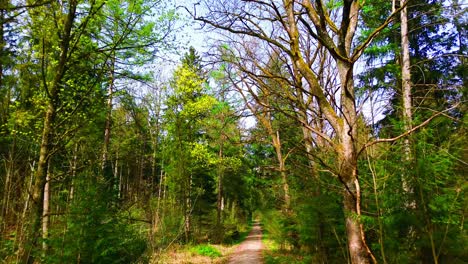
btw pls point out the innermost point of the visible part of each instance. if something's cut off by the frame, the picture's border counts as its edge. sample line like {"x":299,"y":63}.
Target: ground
{"x":249,"y":251}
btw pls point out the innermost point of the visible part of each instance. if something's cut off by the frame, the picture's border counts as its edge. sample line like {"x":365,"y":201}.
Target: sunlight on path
{"x":249,"y":251}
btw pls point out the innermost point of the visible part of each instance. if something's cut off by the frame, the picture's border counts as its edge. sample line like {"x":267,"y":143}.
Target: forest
{"x":131,"y":130}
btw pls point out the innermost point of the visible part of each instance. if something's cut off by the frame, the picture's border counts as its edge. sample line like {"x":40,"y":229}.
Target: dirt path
{"x":249,"y":251}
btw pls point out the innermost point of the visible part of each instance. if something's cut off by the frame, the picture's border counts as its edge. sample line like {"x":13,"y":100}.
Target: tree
{"x":66,"y":49}
{"x":431,"y":95}
{"x":52,"y":87}
{"x":128,"y":39}
{"x":187,"y":108}
{"x":291,"y":23}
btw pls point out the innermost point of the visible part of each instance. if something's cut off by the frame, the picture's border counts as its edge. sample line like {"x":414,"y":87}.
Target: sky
{"x":191,"y":34}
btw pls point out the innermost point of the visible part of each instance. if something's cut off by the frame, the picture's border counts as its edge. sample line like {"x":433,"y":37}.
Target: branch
{"x":407,"y":132}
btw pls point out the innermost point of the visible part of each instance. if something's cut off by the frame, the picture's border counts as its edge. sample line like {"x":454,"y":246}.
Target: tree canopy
{"x":340,"y":125}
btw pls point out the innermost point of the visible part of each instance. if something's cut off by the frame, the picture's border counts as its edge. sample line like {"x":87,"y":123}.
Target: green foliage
{"x":280,"y":258}
{"x":206,"y":250}
{"x":334,"y":4}
{"x":95,"y":231}
{"x":273,"y":226}
{"x":173,"y":152}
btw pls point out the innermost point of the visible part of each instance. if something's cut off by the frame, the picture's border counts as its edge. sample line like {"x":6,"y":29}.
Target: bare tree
{"x":290,"y":26}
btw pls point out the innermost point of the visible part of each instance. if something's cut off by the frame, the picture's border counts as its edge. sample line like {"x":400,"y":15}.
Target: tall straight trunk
{"x":116,"y":184}
{"x":121,"y":186}
{"x":406,"y":77}
{"x":108,"y":123}
{"x":4,"y":102}
{"x":74,"y":165}
{"x":46,"y":212}
{"x":219,"y":201}
{"x":188,"y":210}
{"x":158,"y":216}
{"x":3,"y":4}
{"x":142,"y":169}
{"x":406,"y":94}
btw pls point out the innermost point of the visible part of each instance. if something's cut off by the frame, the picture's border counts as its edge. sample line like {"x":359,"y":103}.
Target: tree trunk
{"x":48,"y":129}
{"x":220,"y":185}
{"x":348,"y":173}
{"x":188,"y":211}
{"x":40,"y":180}
{"x":45,"y":212}
{"x":105,"y":164}
{"x":406,"y":83}
{"x":358,"y":249}
{"x":282,"y":168}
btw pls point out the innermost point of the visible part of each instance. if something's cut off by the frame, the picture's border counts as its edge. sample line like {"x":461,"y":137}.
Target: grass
{"x":202,"y":253}
{"x":195,"y":254}
{"x":206,"y":250}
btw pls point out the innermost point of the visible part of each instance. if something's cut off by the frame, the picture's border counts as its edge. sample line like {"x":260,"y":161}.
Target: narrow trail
{"x":249,"y":251}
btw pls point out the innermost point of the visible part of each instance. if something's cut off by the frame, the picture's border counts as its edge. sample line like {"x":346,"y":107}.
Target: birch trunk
{"x":46,"y":212}
{"x":406,"y":93}
{"x":406,"y":73}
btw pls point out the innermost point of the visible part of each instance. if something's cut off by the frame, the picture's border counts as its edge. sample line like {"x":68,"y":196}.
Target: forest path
{"x":249,"y":251}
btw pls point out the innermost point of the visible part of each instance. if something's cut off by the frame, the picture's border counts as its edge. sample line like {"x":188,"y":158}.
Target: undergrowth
{"x":206,"y":250}
{"x":276,"y":251}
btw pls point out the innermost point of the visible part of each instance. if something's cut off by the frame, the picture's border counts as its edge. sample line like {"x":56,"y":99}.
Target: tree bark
{"x":405,"y":67}
{"x":406,"y":94}
{"x":358,"y":250}
{"x":45,"y":212}
{"x":348,"y":170}
{"x":41,"y":173}
{"x":219,"y":202}
{"x":108,"y":124}
{"x":282,"y":168}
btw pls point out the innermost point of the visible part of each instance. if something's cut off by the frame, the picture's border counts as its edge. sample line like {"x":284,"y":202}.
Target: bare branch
{"x":414,"y":129}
